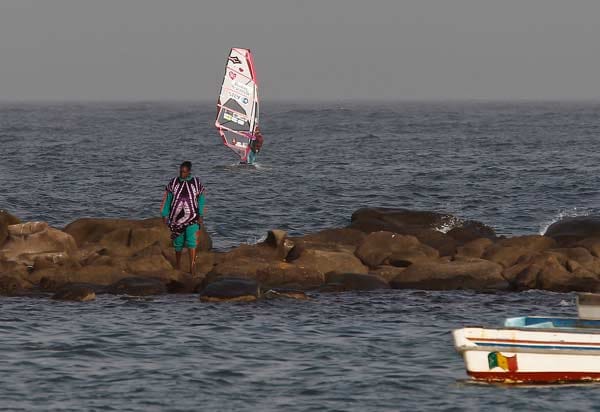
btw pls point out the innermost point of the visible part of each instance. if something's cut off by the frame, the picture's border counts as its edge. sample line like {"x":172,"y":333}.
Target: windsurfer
{"x":256,"y":142}
{"x":183,"y":211}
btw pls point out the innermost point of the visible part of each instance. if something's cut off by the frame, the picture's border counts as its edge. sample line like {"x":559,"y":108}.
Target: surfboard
{"x":237,"y":106}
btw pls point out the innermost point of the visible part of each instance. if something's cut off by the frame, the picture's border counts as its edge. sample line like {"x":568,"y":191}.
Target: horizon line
{"x":304,"y":101}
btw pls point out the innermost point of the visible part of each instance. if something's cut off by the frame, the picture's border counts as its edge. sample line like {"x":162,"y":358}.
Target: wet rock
{"x":554,"y":271}
{"x":386,"y":248}
{"x":475,"y":248}
{"x":13,"y":269}
{"x":10,"y":286}
{"x":148,"y":262}
{"x":324,"y":261}
{"x":592,"y":244}
{"x":387,"y":272}
{"x":185,"y":284}
{"x":279,"y":293}
{"x":572,"y":229}
{"x":137,"y":286}
{"x":353,"y":281}
{"x":507,"y":252}
{"x":474,"y":274}
{"x":124,"y":237}
{"x":405,"y":221}
{"x":336,"y":240}
{"x":295,"y":253}
{"x":231,"y":290}
{"x":262,"y":263}
{"x":470,"y":230}
{"x":426,"y":226}
{"x":6,"y":219}
{"x":75,"y":292}
{"x":26,"y":241}
{"x":278,"y":239}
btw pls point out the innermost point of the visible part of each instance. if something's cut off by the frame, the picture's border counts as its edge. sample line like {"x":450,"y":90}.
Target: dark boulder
{"x":231,"y":290}
{"x":405,"y":221}
{"x":10,"y":286}
{"x":473,"y":274}
{"x":278,"y":240}
{"x":76,"y":293}
{"x":339,"y":282}
{"x":471,"y":230}
{"x":573,"y":229}
{"x":137,"y":286}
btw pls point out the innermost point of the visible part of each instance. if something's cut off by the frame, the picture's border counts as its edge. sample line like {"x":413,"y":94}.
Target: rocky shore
{"x":379,"y":249}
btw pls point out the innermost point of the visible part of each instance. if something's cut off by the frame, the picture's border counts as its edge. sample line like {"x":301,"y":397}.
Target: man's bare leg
{"x":178,"y":260}
{"x":192,"y":253}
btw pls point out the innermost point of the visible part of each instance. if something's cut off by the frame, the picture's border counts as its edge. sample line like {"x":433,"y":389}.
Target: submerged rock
{"x":75,"y":292}
{"x":278,"y":293}
{"x":231,"y":290}
{"x":137,"y":286}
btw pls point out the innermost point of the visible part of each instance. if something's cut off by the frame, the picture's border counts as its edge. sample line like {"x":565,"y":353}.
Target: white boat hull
{"x":520,"y":355}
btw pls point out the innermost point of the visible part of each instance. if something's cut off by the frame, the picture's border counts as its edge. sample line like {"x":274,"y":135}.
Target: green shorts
{"x":187,"y":238}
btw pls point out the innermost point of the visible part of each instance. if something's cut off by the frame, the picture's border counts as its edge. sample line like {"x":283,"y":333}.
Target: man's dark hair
{"x":187,"y":164}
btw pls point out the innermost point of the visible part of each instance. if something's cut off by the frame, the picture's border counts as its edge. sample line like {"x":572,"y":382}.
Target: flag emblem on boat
{"x":508,"y":363}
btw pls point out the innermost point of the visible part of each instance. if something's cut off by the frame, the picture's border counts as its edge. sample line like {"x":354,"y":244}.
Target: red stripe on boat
{"x":536,"y":377}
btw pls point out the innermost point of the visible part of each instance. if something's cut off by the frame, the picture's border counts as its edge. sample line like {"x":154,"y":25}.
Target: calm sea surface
{"x":516,"y":167}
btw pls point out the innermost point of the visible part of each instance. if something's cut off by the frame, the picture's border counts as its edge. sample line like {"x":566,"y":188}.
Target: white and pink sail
{"x":237,"y":107}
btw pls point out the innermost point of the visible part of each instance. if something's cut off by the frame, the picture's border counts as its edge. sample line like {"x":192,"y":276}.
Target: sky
{"x":321,"y":50}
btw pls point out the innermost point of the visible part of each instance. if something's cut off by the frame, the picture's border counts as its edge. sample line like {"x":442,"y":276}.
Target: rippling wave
{"x":352,"y":351}
{"x":513,"y":166}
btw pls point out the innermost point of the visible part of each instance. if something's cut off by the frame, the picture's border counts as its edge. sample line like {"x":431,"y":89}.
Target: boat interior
{"x":539,"y":322}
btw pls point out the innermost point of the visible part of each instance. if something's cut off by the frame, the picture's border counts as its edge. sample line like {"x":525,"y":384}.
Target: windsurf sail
{"x":237,"y":107}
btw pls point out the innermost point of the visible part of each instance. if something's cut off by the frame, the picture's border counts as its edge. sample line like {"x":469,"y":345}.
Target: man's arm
{"x":166,"y":205}
{"x":201,"y":204}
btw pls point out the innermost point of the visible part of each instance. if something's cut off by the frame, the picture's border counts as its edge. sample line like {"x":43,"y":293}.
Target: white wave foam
{"x":564,"y":213}
{"x":449,"y":225}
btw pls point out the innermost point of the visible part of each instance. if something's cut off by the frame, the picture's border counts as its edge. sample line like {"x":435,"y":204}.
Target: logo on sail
{"x":232,"y":75}
{"x":235,"y":60}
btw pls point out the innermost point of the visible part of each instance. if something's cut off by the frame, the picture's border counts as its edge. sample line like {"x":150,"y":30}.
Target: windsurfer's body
{"x":256,"y":142}
{"x":183,"y":211}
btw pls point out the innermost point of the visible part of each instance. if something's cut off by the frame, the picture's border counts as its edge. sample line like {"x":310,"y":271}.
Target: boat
{"x":535,"y":349}
{"x":238,"y":106}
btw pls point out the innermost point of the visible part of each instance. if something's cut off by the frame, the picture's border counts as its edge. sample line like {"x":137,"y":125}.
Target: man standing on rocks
{"x":183,"y":211}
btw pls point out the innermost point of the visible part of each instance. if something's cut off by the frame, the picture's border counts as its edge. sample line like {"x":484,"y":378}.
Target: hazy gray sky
{"x":312,"y":49}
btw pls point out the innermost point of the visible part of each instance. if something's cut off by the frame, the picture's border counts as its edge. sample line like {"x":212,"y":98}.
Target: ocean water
{"x":514,"y":166}
{"x":375,"y":351}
